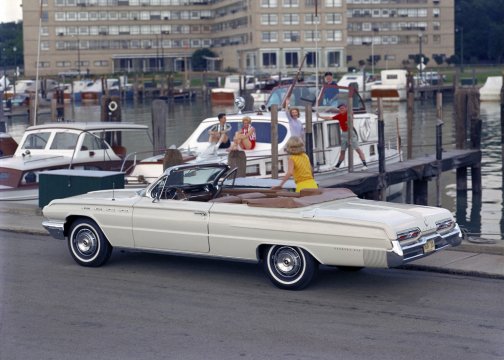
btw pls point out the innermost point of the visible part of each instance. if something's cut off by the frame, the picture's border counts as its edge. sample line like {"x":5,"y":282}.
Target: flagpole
{"x":37,"y":68}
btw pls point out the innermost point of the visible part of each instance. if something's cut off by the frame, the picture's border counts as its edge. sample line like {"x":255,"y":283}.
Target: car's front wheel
{"x":87,"y":243}
{"x":289,"y":267}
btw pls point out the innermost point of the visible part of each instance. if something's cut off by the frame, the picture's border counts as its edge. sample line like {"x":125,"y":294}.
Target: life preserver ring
{"x":365,"y":129}
{"x":112,"y":106}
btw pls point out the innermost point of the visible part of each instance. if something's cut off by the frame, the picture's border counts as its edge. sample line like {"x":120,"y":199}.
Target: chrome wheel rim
{"x":287,"y":261}
{"x":86,"y":242}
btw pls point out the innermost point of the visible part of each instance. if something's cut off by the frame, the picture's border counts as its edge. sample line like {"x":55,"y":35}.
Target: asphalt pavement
{"x":474,"y":257}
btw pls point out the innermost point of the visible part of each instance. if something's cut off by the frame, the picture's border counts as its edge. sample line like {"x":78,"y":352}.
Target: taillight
{"x":445,"y":224}
{"x":408,"y":234}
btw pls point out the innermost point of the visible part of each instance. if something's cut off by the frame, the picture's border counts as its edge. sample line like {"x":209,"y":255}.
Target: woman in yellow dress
{"x":299,"y":166}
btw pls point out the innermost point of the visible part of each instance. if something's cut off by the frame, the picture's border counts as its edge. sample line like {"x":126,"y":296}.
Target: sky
{"x":11,"y":10}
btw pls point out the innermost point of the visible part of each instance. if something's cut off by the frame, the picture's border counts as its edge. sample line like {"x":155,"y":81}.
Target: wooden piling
{"x":350,"y":129}
{"x":410,"y":106}
{"x":159,"y":116}
{"x":274,"y":141}
{"x":467,"y":107}
{"x":171,"y":158}
{"x":309,"y":133}
{"x":439,"y":145}
{"x":476,"y":144}
{"x":238,"y":159}
{"x":381,"y":152}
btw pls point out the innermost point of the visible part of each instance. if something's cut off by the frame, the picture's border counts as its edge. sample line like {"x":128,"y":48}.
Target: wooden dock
{"x":419,"y":171}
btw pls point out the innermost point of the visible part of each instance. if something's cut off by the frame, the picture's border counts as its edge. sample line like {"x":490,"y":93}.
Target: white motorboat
{"x":394,"y":80}
{"x":87,"y":146}
{"x":492,"y":89}
{"x":362,"y":82}
{"x":231,"y":89}
{"x":326,"y":136}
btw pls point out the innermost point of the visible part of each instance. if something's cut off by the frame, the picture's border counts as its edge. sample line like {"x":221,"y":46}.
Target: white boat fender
{"x":365,"y":130}
{"x":112,"y":106}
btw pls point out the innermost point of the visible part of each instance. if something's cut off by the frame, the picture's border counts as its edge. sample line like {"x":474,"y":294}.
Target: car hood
{"x":398,"y":217}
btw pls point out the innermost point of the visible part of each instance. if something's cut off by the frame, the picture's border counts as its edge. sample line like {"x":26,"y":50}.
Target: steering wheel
{"x":219,"y":186}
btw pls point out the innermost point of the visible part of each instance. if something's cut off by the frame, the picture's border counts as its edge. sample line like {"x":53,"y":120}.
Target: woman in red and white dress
{"x":246,"y":137}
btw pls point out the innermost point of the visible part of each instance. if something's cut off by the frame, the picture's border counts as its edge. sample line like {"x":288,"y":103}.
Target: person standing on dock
{"x":342,"y":117}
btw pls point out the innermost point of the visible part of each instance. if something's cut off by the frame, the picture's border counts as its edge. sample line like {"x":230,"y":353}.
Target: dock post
{"x":308,"y":134}
{"x":274,"y":141}
{"x":502,"y":125}
{"x":350,"y":127}
{"x":439,"y":145}
{"x":410,"y":115}
{"x":476,"y":144}
{"x":467,"y":107}
{"x":159,"y":116}
{"x":381,"y":152}
{"x":238,"y":159}
{"x":420,"y":192}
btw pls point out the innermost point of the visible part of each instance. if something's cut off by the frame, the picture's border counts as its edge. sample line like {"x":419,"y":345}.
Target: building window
{"x":311,"y":35}
{"x":291,"y":36}
{"x":436,"y":25}
{"x":334,"y":58}
{"x":269,"y":19}
{"x":291,"y":19}
{"x":334,"y":35}
{"x":311,"y":19}
{"x":333,"y":19}
{"x":436,"y":12}
{"x":436,"y":39}
{"x":291,"y":59}
{"x":269,"y":3}
{"x":269,"y":36}
{"x":59,"y":16}
{"x":269,"y":60}
{"x":101,"y":63}
{"x":290,"y":3}
{"x":311,"y":59}
{"x":332,"y":3}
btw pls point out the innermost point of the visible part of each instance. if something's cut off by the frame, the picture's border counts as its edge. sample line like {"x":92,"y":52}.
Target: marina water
{"x":481,"y":217}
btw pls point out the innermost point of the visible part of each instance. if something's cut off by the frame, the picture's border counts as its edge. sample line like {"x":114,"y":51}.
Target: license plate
{"x":429,"y":246}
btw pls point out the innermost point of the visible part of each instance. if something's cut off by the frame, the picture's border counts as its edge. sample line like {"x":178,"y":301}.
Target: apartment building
{"x":395,"y":30}
{"x":125,"y":36}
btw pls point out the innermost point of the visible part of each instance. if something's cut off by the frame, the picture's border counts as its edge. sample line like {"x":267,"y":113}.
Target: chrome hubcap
{"x":287,"y":261}
{"x":86,"y":242}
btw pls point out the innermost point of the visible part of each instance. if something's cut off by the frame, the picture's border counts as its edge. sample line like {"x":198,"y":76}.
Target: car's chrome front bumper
{"x":55,"y":228}
{"x":402,"y":254}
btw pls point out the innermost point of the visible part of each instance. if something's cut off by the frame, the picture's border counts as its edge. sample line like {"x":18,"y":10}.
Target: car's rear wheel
{"x":289,"y":267}
{"x":87,"y":243}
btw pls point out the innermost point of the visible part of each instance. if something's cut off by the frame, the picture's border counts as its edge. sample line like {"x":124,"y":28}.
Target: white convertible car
{"x":198,"y":210}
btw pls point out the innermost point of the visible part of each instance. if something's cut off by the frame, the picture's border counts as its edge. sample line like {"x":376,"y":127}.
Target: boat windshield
{"x":330,"y":96}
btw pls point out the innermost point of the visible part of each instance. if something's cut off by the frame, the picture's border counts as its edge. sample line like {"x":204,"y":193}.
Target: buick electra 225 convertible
{"x":198,"y":210}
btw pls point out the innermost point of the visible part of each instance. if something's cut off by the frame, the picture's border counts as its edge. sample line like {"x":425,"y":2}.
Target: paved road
{"x":149,"y":306}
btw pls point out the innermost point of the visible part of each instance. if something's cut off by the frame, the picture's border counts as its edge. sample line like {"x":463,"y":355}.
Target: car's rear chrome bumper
{"x":402,"y":254}
{"x":55,"y":228}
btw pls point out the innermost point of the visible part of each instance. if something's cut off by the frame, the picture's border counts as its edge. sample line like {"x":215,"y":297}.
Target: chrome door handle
{"x":202,"y":213}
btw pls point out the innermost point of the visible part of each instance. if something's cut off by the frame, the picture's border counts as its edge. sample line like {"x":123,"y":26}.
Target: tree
{"x":439,"y":58}
{"x":198,"y":61}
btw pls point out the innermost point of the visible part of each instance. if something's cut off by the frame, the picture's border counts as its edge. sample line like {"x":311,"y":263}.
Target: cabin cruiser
{"x":78,"y":145}
{"x":362,"y":82}
{"x":393,"y":80}
{"x":327,"y":134}
{"x":231,"y":90}
{"x":491,"y":91}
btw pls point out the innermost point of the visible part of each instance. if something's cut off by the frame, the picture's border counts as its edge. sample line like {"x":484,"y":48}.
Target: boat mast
{"x":37,"y":68}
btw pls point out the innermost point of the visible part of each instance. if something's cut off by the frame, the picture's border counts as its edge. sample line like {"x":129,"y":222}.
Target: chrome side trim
{"x":55,"y":228}
{"x":402,"y":254}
